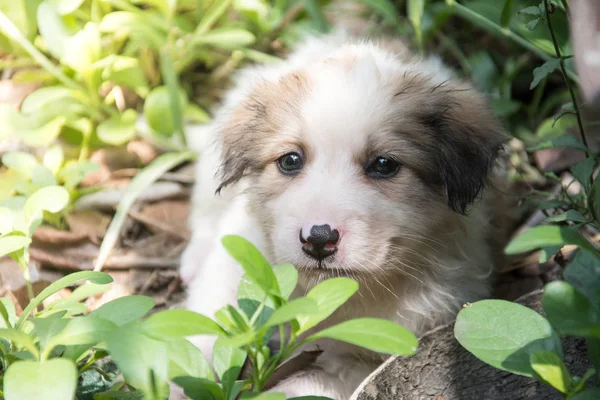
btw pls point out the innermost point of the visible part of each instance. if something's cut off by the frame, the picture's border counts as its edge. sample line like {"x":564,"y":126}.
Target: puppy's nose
{"x":319,"y":241}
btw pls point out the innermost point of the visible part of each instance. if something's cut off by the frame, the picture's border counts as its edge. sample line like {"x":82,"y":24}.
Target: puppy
{"x":351,"y":158}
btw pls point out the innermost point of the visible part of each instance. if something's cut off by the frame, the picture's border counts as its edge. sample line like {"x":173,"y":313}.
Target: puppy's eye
{"x":382,"y":167}
{"x":290,"y":163}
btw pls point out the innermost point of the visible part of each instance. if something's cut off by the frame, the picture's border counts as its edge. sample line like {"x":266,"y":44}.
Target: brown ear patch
{"x":250,"y":128}
{"x":462,"y":135}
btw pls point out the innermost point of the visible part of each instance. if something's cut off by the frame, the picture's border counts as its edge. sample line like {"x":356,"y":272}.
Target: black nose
{"x":321,"y":243}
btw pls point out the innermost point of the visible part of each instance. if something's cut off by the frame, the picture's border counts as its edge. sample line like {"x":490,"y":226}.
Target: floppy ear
{"x":249,"y":127}
{"x":241,"y":143}
{"x":467,"y":139}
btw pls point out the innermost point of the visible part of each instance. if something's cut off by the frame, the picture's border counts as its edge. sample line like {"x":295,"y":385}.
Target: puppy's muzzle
{"x":321,"y":241}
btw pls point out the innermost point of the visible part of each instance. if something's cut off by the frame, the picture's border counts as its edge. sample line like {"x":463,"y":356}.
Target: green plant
{"x":513,"y":337}
{"x":59,"y":344}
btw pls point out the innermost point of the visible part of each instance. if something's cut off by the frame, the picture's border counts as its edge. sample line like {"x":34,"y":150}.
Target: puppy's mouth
{"x":309,"y":263}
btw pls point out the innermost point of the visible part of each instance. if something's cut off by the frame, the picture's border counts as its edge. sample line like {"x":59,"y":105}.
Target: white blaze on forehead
{"x":346,"y":99}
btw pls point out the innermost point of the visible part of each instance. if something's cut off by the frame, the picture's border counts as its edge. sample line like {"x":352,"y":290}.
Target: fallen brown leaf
{"x":90,"y":222}
{"x":168,"y":216}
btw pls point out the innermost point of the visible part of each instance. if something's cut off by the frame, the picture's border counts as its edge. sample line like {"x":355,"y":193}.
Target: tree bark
{"x":443,"y":370}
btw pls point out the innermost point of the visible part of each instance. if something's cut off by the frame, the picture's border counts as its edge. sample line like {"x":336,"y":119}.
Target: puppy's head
{"x":354,"y":160}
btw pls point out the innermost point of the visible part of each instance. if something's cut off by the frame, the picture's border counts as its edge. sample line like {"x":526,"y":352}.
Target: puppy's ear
{"x":467,"y":139}
{"x":242,"y":132}
{"x":249,"y":128}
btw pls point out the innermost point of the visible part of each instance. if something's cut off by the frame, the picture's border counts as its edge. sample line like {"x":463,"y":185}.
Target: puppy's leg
{"x":207,"y":208}
{"x":336,"y":377}
{"x":216,"y":282}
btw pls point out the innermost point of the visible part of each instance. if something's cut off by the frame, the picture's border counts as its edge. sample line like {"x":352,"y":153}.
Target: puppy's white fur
{"x":416,"y":260}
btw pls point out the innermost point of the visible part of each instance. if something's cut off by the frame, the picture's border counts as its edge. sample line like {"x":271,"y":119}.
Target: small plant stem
{"x":565,"y":74}
{"x":24,"y":265}
{"x":565,"y":4}
{"x":494,"y":28}
{"x":256,"y":382}
{"x":9,"y":29}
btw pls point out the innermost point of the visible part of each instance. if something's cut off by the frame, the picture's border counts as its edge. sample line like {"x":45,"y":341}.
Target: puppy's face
{"x":355,"y":161}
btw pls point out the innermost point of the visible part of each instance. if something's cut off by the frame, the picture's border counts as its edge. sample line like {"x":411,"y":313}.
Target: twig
{"x":565,"y":74}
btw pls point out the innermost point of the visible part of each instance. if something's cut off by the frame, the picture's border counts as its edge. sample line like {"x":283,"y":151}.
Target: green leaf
{"x":199,"y":388}
{"x":507,"y":12}
{"x":551,"y":370}
{"x":550,"y":129}
{"x":569,"y":215}
{"x":583,"y":170}
{"x":547,"y":252}
{"x":185,"y":359}
{"x":505,"y":334}
{"x":118,"y":129}
{"x":287,"y":278}
{"x":593,"y":348}
{"x":570,"y":312}
{"x":52,"y":29}
{"x":262,"y":396}
{"x":226,"y":38}
{"x":7,"y":313}
{"x":158,"y":110}
{"x":124,"y":310}
{"x":329,"y":296}
{"x":533,"y":10}
{"x":87,"y":290}
{"x":50,"y":198}
{"x":253,"y":262}
{"x":583,"y":272}
{"x":543,"y":71}
{"x":313,"y":9}
{"x":42,"y":176}
{"x":588,"y":394}
{"x":93,"y":276}
{"x":54,"y":379}
{"x":594,"y":200}
{"x":143,"y":361}
{"x":45,"y":97}
{"x":562,"y":141}
{"x":568,"y":108}
{"x":531,"y":25}
{"x":227,"y":362}
{"x":385,"y":8}
{"x":178,"y":323}
{"x":177,"y":101}
{"x":145,"y":178}
{"x":250,"y":294}
{"x":293,"y":310}
{"x":504,"y":108}
{"x":375,"y":334}
{"x":87,"y":330}
{"x":10,"y":244}
{"x":415,"y":10}
{"x":212,"y":15}
{"x":74,"y":172}
{"x":133,"y":25}
{"x":232,"y":319}
{"x":54,"y":158}
{"x":21,"y":162}
{"x":85,"y":48}
{"x":47,"y":328}
{"x":126,"y":71}
{"x":65,"y":7}
{"x":546,"y":236}
{"x":20,"y":339}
